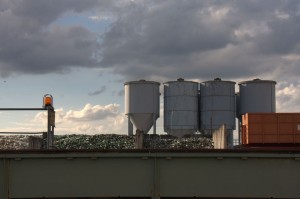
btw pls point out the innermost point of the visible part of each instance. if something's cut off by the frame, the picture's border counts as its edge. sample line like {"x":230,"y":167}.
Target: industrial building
{"x":191,"y":107}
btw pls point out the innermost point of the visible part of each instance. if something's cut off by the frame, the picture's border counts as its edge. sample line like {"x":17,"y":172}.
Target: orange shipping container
{"x":271,"y":128}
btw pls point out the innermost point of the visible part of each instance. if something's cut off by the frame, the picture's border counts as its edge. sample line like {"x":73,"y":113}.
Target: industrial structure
{"x":142,"y":104}
{"x":264,"y":165}
{"x":181,"y":107}
{"x":190,"y":107}
{"x":256,"y":96}
{"x":217,"y":99}
{"x":48,"y":136}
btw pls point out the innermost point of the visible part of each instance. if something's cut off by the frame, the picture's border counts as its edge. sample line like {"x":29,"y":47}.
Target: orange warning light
{"x":47,"y":100}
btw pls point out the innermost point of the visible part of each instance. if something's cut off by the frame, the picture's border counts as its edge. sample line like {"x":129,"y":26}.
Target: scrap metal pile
{"x":171,"y":142}
{"x":109,"y":141}
{"x":14,"y":142}
{"x":101,"y":141}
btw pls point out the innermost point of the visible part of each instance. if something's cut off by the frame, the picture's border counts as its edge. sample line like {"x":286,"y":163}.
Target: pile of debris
{"x":170,"y":142}
{"x":14,"y":142}
{"x":108,"y":141}
{"x":102,"y":141}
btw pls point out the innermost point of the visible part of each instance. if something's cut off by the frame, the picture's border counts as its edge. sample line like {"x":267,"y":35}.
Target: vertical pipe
{"x":154,"y":109}
{"x":130,"y":127}
{"x":154,"y":124}
{"x":199,"y":110}
{"x":240,"y":131}
{"x":44,"y":140}
{"x":230,"y":138}
{"x":50,"y":127}
{"x":52,"y":136}
{"x":211,"y":130}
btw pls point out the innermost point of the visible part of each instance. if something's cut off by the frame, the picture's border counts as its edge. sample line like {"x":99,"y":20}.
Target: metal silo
{"x":181,"y":107}
{"x":142,"y":104}
{"x":237,"y":103}
{"x":217,"y":99}
{"x":257,"y":96}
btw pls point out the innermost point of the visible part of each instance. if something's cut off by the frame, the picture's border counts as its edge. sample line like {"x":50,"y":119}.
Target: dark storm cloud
{"x":162,"y":39}
{"x":30,"y":42}
{"x":155,"y":39}
{"x":98,"y":92}
{"x":50,"y":52}
{"x":44,"y":12}
{"x":201,"y":39}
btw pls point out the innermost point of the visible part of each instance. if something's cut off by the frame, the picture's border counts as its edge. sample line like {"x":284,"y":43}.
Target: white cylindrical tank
{"x":181,"y":107}
{"x":217,"y":99}
{"x":257,"y":96}
{"x":142,"y":103}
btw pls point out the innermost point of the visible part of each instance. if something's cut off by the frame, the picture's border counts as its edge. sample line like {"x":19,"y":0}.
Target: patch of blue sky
{"x":89,"y":20}
{"x":20,"y":121}
{"x":70,"y":91}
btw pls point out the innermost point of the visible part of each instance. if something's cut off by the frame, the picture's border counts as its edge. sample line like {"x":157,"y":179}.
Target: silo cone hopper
{"x":143,"y":121}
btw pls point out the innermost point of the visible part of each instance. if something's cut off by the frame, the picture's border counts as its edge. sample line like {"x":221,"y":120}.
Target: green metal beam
{"x":165,"y":174}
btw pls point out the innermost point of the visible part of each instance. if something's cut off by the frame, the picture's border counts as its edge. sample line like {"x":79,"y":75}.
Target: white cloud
{"x":88,"y":120}
{"x":251,"y":29}
{"x":99,"y":18}
{"x":89,"y":112}
{"x":291,"y":57}
{"x":281,"y":15}
{"x":288,"y":97}
{"x":218,"y":14}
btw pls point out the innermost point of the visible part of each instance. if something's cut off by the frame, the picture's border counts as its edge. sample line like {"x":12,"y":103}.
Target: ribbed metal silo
{"x":217,"y":99}
{"x":142,"y":104}
{"x":181,"y":107}
{"x":257,"y":96}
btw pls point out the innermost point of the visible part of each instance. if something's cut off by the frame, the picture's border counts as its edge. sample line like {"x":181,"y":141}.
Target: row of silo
{"x":180,"y":107}
{"x":188,"y":109}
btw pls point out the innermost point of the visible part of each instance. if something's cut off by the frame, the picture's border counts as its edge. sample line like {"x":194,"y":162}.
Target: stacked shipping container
{"x":271,"y":128}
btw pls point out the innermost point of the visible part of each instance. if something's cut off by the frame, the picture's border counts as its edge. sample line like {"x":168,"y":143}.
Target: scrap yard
{"x":204,"y":152}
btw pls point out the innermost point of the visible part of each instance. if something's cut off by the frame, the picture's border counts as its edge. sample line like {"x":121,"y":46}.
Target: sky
{"x":82,"y":52}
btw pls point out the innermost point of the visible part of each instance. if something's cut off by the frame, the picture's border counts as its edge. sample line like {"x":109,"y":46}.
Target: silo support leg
{"x":139,"y":139}
{"x":154,"y":123}
{"x":130,"y":127}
